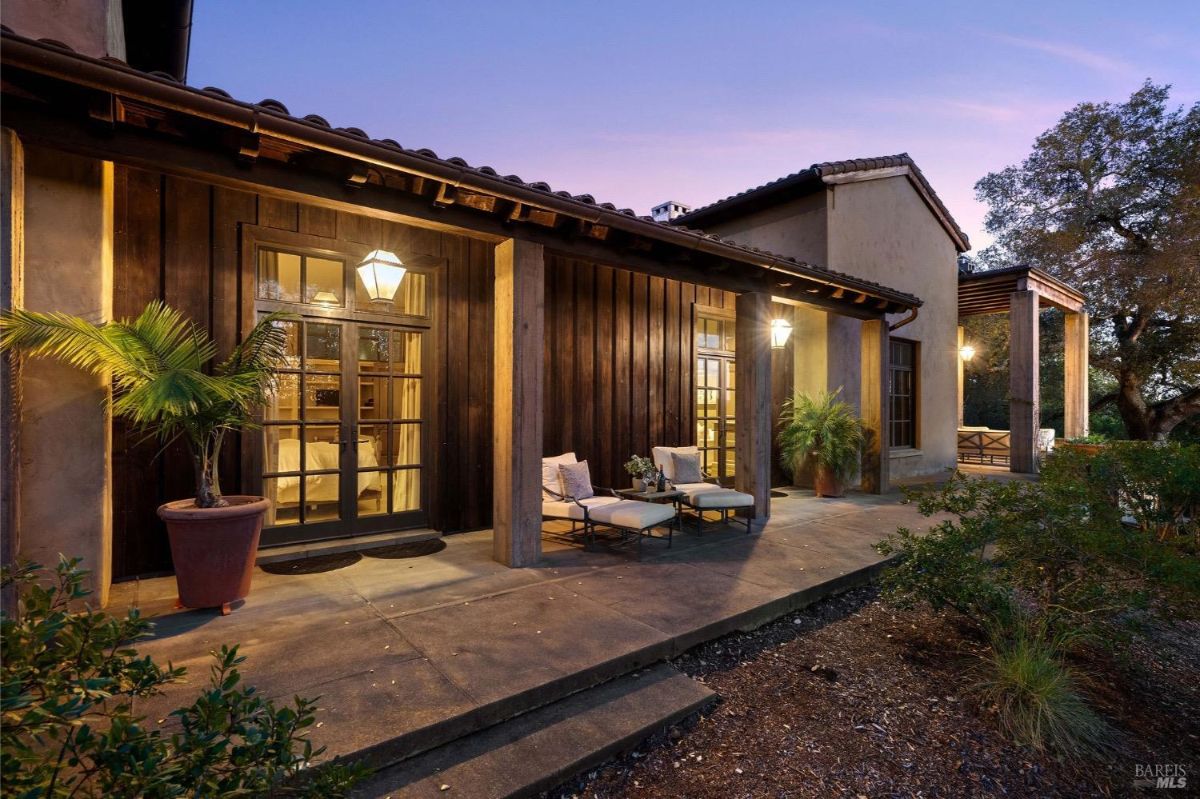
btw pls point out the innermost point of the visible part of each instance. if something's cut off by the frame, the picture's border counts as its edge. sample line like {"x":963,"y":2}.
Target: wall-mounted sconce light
{"x":381,"y":272}
{"x":781,"y":329}
{"x":966,"y":352}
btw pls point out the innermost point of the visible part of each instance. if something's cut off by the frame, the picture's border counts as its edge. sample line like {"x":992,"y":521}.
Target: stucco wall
{"x":795,"y":228}
{"x":883,"y":231}
{"x":65,"y":502}
{"x":91,"y":27}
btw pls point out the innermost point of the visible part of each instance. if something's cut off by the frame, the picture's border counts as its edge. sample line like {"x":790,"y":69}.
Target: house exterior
{"x":530,"y":321}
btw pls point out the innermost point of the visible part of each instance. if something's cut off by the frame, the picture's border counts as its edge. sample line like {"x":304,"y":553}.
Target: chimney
{"x":668,"y":211}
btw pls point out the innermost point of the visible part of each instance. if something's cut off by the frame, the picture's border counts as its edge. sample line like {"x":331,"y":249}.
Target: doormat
{"x":780,"y":495}
{"x":313,"y":565}
{"x":412,"y":549}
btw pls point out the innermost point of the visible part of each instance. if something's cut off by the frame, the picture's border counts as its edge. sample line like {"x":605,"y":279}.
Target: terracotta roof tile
{"x":276,"y":107}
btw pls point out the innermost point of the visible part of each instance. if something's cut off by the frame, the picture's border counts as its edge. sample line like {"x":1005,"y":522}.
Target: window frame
{"x":913,"y":396}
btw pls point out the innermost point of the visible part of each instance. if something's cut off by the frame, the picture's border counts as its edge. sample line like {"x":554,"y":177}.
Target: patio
{"x":411,"y":654}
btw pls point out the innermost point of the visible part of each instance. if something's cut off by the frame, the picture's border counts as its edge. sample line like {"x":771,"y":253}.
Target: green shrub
{"x":1035,"y":695}
{"x":69,"y":680}
{"x":822,"y":430}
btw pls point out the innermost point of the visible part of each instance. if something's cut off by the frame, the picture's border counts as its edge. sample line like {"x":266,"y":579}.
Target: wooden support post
{"x":12,"y":224}
{"x":961,"y":366}
{"x":517,"y":404}
{"x":1075,"y":372}
{"x":873,"y":405}
{"x":1023,"y":370}
{"x":752,"y":448}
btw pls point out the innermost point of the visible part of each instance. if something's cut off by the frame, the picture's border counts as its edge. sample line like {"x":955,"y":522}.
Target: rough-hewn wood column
{"x":1075,"y":372}
{"x":12,"y":224}
{"x":962,"y":339}
{"x":517,"y":404}
{"x":874,"y":405}
{"x":1023,"y":404}
{"x":752,"y":404}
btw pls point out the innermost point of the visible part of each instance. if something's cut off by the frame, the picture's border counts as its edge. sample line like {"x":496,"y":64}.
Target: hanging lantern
{"x":781,"y":330}
{"x":381,"y":273}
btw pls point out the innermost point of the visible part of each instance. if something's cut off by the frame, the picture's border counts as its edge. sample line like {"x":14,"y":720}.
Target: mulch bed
{"x":852,"y":698}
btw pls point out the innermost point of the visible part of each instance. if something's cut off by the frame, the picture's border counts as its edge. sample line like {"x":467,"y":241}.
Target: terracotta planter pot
{"x":826,"y":482}
{"x":214,"y":549}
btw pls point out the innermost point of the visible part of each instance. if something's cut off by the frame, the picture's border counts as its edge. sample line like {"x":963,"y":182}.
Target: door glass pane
{"x":406,"y":353}
{"x":730,"y":374}
{"x":373,"y":347}
{"x":278,"y":276}
{"x":411,"y":297}
{"x":322,"y":493}
{"x":284,"y":402}
{"x":291,"y":347}
{"x":372,"y":446}
{"x":322,"y":398}
{"x":284,"y":493}
{"x":322,"y":447}
{"x":406,"y":398}
{"x":406,"y":445}
{"x":282,"y":448}
{"x":372,"y":493}
{"x":730,"y":344}
{"x":373,"y":398}
{"x":323,"y":281}
{"x":323,"y":347}
{"x":406,"y":490}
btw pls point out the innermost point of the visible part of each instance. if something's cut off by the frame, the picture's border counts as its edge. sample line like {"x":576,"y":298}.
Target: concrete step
{"x":545,"y":747}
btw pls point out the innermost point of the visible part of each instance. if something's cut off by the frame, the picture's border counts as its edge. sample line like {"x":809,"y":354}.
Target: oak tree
{"x":1109,"y":201}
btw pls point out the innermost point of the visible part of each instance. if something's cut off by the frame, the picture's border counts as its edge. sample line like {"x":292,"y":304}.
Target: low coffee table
{"x":670,"y":495}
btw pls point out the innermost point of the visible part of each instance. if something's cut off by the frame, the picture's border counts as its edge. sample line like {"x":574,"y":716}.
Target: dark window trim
{"x":911,"y":438}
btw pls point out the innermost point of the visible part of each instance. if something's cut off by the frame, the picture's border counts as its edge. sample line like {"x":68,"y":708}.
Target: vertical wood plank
{"x":640,"y":376}
{"x":317,"y":221}
{"x":603,"y":393}
{"x":622,"y":373}
{"x":517,"y":424}
{"x":671,"y":431}
{"x":585,"y":360}
{"x":479,"y":396}
{"x":562,"y":338}
{"x":656,"y":366}
{"x":686,"y":355}
{"x":279,"y":214}
{"x":1023,"y":373}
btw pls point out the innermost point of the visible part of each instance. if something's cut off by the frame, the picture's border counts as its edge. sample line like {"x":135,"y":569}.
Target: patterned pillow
{"x":687,"y":467}
{"x":576,"y":480}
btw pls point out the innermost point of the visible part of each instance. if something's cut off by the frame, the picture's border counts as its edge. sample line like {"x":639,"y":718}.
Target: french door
{"x":715,"y":372}
{"x":343,"y":435}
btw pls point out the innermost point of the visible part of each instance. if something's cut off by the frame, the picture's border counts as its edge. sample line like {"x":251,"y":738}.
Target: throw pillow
{"x":687,"y":467}
{"x":576,"y":480}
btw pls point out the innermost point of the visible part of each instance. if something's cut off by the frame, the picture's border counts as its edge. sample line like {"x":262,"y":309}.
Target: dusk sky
{"x":636,"y":103}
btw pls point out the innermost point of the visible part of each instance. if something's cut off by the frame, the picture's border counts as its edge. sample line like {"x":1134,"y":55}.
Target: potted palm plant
{"x":824,"y":433}
{"x":160,"y":386}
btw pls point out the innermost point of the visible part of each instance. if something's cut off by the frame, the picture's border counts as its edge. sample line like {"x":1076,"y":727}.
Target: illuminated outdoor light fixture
{"x":966,"y":352}
{"x":381,"y":273}
{"x":781,"y":329}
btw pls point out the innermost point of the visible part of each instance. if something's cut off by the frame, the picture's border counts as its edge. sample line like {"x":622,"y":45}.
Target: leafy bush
{"x":1040,"y":567}
{"x":69,"y":680}
{"x":822,"y":430}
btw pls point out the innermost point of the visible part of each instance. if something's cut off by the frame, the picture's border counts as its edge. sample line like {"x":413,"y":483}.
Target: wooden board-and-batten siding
{"x":179,"y":240}
{"x":619,"y":361}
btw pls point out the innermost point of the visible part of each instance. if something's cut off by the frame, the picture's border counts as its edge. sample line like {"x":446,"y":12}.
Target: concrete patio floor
{"x":410,"y":654}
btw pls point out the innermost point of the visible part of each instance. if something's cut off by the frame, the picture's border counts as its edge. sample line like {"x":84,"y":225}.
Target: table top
{"x":633,"y":493}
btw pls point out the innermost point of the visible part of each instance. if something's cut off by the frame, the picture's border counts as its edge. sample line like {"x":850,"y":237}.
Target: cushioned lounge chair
{"x":705,"y":496}
{"x":605,"y":510}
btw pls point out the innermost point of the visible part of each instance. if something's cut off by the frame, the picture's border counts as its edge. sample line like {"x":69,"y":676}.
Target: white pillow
{"x":663,"y":460}
{"x":550,"y":466}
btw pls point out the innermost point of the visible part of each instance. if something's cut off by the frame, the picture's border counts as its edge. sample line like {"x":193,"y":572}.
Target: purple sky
{"x":640,"y":102}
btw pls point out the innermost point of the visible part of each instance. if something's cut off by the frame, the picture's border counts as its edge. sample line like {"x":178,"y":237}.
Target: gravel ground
{"x":852,"y":698}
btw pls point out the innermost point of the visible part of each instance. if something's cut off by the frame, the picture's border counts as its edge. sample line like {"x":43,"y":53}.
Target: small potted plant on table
{"x":642,"y":470}
{"x":157,"y":364}
{"x":823,"y":432}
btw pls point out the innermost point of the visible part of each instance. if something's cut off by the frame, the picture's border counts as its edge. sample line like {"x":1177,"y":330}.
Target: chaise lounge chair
{"x":602,"y":510}
{"x":703,"y":495}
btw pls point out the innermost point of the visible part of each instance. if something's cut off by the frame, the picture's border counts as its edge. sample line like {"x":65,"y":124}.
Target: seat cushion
{"x":721,"y":498}
{"x":692,"y":489}
{"x":550,"y":466}
{"x":633,"y":515}
{"x":555,"y":509}
{"x":663,"y":460}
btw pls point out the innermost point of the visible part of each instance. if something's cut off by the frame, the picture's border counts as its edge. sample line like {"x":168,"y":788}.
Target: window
{"x":289,"y":277}
{"x":902,"y":393}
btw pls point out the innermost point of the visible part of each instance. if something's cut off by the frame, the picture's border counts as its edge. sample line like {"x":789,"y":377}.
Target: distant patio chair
{"x":705,"y":495}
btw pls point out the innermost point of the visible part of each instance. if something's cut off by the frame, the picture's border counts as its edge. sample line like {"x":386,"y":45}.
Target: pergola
{"x":1023,"y":291}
